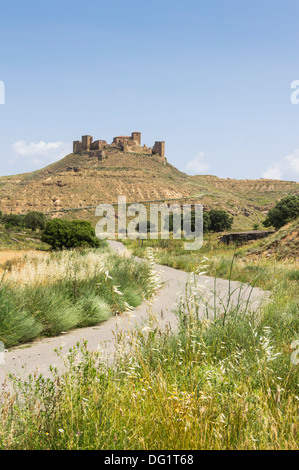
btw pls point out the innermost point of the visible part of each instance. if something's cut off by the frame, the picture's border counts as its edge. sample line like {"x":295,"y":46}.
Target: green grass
{"x":264,"y":272}
{"x":20,"y":239}
{"x":225,"y":382}
{"x":48,"y":307}
{"x":210,"y":385}
{"x":293,"y":275}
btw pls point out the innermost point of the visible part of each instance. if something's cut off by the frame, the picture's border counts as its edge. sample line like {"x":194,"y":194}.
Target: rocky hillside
{"x":78,"y":181}
{"x":284,"y":244}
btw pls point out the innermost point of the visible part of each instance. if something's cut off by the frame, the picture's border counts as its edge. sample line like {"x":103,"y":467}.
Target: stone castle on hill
{"x":123,"y":143}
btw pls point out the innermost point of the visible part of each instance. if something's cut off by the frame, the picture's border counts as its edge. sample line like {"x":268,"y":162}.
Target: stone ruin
{"x":244,"y":237}
{"x":131,"y":144}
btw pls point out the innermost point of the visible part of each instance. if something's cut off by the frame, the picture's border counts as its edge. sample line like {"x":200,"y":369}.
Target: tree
{"x":32,"y":220}
{"x":220,"y":221}
{"x":145,"y":227}
{"x":61,"y":234}
{"x":206,"y":222}
{"x":35,"y":220}
{"x":13,"y":220}
{"x":285,"y":210}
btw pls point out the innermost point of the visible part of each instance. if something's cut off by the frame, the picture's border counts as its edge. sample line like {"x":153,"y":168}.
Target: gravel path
{"x":39,"y":355}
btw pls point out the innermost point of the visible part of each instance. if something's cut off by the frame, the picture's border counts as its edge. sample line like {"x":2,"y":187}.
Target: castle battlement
{"x":123,"y":143}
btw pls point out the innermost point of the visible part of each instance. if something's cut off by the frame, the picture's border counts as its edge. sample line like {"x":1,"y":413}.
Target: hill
{"x":81,"y":180}
{"x":284,"y":244}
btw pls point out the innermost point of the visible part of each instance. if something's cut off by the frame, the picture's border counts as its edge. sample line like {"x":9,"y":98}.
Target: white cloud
{"x":273,"y":173}
{"x":197,"y":165}
{"x":293,"y":161}
{"x":39,"y":153}
{"x":286,"y":168}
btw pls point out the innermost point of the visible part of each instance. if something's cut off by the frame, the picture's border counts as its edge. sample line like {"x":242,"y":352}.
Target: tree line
{"x":60,"y":233}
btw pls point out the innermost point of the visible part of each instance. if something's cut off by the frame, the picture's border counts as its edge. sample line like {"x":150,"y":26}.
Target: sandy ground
{"x":11,"y":255}
{"x":38,"y":356}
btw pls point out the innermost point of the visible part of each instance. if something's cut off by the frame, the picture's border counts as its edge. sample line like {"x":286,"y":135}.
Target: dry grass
{"x":43,"y":294}
{"x":47,"y":268}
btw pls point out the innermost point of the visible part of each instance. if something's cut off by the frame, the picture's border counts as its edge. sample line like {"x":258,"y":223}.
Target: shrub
{"x":35,"y":220}
{"x":32,"y":220}
{"x":206,"y":222}
{"x":13,"y":220}
{"x":145,"y":227}
{"x":17,"y":325}
{"x":61,"y":234}
{"x":285,"y":210}
{"x":220,"y":221}
{"x":293,"y":275}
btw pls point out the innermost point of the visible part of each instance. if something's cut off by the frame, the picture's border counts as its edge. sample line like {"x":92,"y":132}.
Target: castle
{"x":123,"y":142}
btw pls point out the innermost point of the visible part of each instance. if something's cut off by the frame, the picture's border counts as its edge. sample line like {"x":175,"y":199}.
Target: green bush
{"x":220,"y":221}
{"x":61,"y":234}
{"x":206,"y":222}
{"x":293,"y":275}
{"x":35,"y":220}
{"x":17,"y":324}
{"x":285,"y":211}
{"x":32,"y":220}
{"x":145,"y":227}
{"x":13,"y":220}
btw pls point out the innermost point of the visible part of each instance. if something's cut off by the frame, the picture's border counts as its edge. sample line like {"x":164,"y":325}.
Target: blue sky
{"x":210,"y":77}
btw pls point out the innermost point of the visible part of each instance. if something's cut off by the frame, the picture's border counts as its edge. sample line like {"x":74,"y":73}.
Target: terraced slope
{"x":78,"y":181}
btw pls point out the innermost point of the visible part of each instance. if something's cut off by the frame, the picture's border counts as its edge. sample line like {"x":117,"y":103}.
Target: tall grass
{"x":264,"y":272}
{"x":212,"y":384}
{"x":45,"y":294}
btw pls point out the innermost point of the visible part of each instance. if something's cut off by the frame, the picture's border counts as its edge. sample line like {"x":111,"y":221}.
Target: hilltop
{"x":82,"y":179}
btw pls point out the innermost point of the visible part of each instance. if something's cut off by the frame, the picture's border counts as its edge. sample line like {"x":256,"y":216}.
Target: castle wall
{"x":98,"y":145}
{"x":125,"y":143}
{"x":136,"y":137}
{"x":86,"y":142}
{"x":121,"y":140}
{"x":77,"y":146}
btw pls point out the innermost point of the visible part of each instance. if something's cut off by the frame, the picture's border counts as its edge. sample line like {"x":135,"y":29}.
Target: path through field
{"x":39,"y":355}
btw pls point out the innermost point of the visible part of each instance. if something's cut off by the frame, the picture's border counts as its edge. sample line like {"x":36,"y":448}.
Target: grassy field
{"x":265,"y":262}
{"x":46,"y":293}
{"x":22,"y":239}
{"x":226,"y":383}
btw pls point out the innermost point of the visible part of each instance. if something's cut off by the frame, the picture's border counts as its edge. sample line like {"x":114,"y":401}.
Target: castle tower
{"x":77,"y":146}
{"x":159,"y":149}
{"x":136,"y":137}
{"x":86,"y":142}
